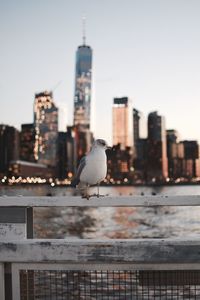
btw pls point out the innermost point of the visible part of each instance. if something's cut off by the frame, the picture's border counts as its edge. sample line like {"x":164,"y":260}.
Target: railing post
{"x":8,"y":281}
{"x":12,"y":223}
{"x":2,"y":285}
{"x":15,"y":223}
{"x":29,"y":232}
{"x":29,"y":222}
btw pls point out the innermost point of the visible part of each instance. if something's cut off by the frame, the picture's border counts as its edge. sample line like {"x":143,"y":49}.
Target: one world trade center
{"x":83,"y":86}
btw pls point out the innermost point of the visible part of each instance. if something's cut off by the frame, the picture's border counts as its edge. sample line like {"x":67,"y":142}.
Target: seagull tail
{"x":75,"y":182}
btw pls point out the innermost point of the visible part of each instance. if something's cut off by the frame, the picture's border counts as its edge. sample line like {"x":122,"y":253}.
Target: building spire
{"x":83,"y":30}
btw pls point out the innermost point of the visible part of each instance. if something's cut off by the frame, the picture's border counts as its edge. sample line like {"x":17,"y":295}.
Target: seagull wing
{"x":76,"y":179}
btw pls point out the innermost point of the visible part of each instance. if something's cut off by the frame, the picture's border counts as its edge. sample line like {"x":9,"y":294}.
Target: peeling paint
{"x":45,"y":244}
{"x":8,"y":247}
{"x":151,"y":251}
{"x":11,"y":231}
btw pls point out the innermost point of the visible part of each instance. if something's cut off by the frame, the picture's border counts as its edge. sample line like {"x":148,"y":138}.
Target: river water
{"x":104,"y":223}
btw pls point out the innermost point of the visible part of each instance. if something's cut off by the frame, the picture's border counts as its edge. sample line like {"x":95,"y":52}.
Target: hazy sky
{"x":148,"y":50}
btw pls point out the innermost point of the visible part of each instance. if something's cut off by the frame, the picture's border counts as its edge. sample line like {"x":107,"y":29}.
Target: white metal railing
{"x":117,"y":254}
{"x":92,"y":251}
{"x":108,"y":255}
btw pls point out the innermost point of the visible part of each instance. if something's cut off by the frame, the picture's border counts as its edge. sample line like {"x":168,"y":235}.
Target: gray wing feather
{"x":76,"y":179}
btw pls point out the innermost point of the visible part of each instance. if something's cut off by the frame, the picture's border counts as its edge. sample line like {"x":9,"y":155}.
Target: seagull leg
{"x":97,"y":190}
{"x":87,"y":192}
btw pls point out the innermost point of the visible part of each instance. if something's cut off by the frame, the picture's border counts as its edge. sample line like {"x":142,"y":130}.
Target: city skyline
{"x":149,"y":52}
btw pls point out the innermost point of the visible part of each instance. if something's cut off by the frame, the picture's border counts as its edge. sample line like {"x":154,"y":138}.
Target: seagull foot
{"x":86,"y":197}
{"x":97,"y":195}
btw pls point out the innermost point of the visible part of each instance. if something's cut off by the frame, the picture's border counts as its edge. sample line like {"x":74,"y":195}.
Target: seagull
{"x":92,"y":168}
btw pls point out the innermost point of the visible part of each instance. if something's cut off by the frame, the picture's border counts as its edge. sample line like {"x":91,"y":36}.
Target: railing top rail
{"x":148,"y":251}
{"x":106,"y":201}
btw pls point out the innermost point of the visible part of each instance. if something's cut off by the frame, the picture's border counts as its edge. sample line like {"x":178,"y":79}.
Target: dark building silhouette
{"x":9,"y":147}
{"x":140,"y":160}
{"x":27,"y":142}
{"x":83,"y":140}
{"x":71,"y":150}
{"x":191,"y":155}
{"x":120,"y":163}
{"x":62,"y":155}
{"x":136,"y":125}
{"x":140,"y":149}
{"x":157,"y":167}
{"x":174,"y":154}
{"x":24,"y":169}
{"x":66,"y":153}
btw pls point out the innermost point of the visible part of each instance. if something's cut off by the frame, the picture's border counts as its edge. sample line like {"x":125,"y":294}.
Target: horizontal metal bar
{"x":15,"y":281}
{"x":107,"y":201}
{"x":105,"y":267}
{"x":148,"y":251}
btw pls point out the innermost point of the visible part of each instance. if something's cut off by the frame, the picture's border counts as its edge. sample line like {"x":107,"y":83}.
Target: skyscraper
{"x":46,"y":129}
{"x":82,"y":98}
{"x":136,"y":125}
{"x":122,"y":122}
{"x":175,"y":153}
{"x":66,"y":153}
{"x":191,"y":155}
{"x":27,"y":142}
{"x":83,"y":86}
{"x":157,"y":147}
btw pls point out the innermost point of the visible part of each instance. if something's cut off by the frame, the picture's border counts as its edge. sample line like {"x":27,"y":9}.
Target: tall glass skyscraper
{"x":83,"y":87}
{"x":82,"y":99}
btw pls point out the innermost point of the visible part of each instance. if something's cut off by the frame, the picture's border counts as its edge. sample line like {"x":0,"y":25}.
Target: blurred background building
{"x":120,"y":160}
{"x":27,"y":142}
{"x":157,"y":166}
{"x":46,"y":129}
{"x":191,"y":155}
{"x":40,"y":150}
{"x":66,"y":153}
{"x":175,"y":154}
{"x":9,"y":147}
{"x":25,"y":169}
{"x":122,"y":122}
{"x":82,"y":99}
{"x":140,"y":149}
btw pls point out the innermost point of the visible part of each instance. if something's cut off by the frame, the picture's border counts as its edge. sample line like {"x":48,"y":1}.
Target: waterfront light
{"x":70,"y":174}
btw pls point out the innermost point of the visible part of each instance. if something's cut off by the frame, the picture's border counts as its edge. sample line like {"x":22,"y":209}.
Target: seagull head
{"x":101,"y":143}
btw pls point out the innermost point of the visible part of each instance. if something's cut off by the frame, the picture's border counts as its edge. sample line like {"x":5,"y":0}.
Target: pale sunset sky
{"x":148,"y":50}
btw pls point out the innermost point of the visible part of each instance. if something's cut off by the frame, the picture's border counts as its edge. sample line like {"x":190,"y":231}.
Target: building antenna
{"x":83,"y":30}
{"x":57,"y":85}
